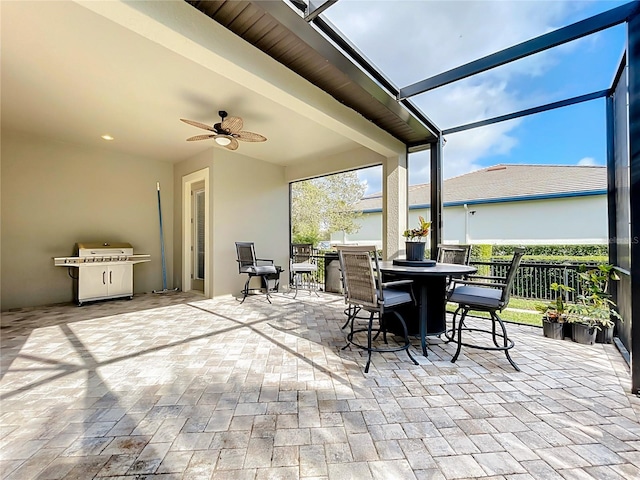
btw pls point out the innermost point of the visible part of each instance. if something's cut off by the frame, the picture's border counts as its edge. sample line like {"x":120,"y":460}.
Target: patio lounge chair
{"x":362,"y":292}
{"x":484,"y":294}
{"x":250,"y":265}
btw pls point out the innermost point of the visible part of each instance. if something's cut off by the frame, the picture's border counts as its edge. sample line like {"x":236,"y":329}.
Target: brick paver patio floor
{"x":175,"y":386}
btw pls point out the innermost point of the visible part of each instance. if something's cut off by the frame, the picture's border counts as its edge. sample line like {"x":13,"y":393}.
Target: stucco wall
{"x":250,"y":204}
{"x":56,"y":194}
{"x":249,"y":201}
{"x":370,"y":231}
{"x":571,"y":220}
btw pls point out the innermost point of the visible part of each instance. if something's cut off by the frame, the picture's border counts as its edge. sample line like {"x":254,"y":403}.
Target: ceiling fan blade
{"x":250,"y":137}
{"x":198,"y":124}
{"x":232,"y":124}
{"x":233,"y":145}
{"x":199,"y":137}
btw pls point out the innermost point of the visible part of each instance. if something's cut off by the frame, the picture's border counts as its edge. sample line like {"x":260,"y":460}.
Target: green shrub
{"x":554,"y":250}
{"x":482,"y":253}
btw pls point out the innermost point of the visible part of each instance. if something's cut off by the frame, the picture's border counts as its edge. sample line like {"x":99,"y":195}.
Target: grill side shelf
{"x":79,"y":261}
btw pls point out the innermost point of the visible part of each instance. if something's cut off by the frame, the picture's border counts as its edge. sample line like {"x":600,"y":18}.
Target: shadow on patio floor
{"x":188,"y":387}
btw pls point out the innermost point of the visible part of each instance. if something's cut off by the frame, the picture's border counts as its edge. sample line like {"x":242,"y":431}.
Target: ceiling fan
{"x":226,"y":133}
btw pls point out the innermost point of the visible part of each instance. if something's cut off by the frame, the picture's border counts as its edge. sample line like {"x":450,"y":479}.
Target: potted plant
{"x":415,"y":245}
{"x":594,"y":311}
{"x":554,"y":313}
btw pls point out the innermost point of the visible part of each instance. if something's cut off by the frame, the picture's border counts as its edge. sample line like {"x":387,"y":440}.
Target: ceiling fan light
{"x":222,"y":140}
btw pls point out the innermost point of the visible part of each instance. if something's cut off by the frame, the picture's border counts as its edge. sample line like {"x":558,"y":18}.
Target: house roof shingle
{"x":506,"y":181}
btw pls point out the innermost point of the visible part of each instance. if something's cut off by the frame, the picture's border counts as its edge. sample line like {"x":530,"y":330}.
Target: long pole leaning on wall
{"x":164,"y":262}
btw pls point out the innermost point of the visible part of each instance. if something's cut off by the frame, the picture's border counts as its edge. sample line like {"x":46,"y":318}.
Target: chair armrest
{"x":396,"y":283}
{"x":268,"y":260}
{"x":487,"y":277}
{"x":482,"y":284}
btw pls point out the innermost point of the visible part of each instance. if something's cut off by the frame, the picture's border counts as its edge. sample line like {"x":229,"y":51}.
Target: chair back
{"x":358,"y":276}
{"x":301,"y":252}
{"x":511,"y":274}
{"x":246,"y":256}
{"x":459,"y":254}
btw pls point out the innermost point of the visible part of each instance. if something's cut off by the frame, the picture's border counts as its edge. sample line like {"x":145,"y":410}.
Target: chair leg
{"x":406,"y":336}
{"x":459,"y":340}
{"x":369,"y":329}
{"x":246,"y":290}
{"x":353,"y":310}
{"x":348,"y":314}
{"x":453,"y":327}
{"x":495,"y":317}
{"x":382,"y":329}
{"x":266,"y":288}
{"x":295,"y":284}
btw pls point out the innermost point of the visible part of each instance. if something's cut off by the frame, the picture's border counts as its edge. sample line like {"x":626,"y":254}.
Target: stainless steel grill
{"x":104,"y":270}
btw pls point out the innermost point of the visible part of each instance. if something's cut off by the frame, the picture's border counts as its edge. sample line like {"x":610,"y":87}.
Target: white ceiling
{"x":72,"y":74}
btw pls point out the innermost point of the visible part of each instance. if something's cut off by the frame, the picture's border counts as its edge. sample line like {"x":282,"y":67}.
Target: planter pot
{"x":553,"y":330}
{"x":605,"y":335}
{"x":584,"y":334}
{"x":415,"y":250}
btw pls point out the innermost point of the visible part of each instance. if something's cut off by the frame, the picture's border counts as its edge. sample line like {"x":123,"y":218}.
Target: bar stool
{"x":303,"y":268}
{"x":365,"y":291}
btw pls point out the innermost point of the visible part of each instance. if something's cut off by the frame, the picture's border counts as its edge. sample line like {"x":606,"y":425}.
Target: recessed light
{"x":107,"y":137}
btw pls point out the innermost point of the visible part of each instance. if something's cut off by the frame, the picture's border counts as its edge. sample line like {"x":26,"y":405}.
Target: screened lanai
{"x":324,"y":43}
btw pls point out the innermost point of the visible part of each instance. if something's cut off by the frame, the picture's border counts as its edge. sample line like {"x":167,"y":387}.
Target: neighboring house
{"x":507,"y":204}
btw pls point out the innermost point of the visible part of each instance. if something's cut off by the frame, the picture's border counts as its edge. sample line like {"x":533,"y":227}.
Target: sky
{"x":415,"y":39}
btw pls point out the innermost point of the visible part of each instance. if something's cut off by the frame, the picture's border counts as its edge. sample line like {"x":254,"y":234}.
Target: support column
{"x":394,"y":206}
{"x":633,"y":33}
{"x":436,"y":197}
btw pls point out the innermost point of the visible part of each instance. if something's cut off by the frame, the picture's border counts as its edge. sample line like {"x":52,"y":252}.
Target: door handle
{"x":104,"y":281}
{"x":110,"y":277}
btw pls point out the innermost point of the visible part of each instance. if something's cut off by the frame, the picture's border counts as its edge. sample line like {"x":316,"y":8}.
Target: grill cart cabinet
{"x":105,"y":281}
{"x":104,"y":270}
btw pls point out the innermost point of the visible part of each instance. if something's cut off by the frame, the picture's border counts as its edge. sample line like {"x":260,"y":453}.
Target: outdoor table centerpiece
{"x":415,"y":243}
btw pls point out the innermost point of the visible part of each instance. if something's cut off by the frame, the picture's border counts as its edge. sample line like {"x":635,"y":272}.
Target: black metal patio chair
{"x":484,"y":294}
{"x":253,"y":267}
{"x":459,"y":254}
{"x":364,"y":290}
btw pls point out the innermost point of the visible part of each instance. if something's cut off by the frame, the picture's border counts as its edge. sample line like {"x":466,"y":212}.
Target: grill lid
{"x":96,"y":249}
{"x":98,"y":245}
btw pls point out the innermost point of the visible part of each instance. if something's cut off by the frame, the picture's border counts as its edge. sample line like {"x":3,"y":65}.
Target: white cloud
{"x":413,"y":40}
{"x":436,"y":36}
{"x":587,"y":161}
{"x":372,"y":177}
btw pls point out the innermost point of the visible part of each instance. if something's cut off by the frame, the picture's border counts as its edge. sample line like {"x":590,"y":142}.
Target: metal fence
{"x":533,"y":280}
